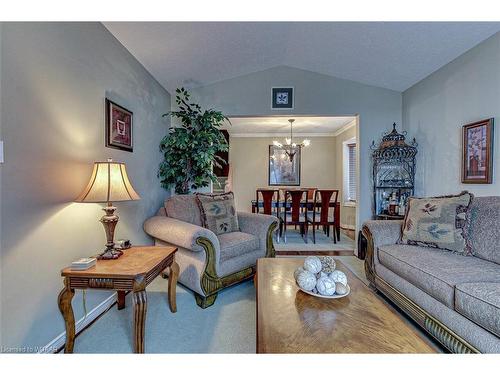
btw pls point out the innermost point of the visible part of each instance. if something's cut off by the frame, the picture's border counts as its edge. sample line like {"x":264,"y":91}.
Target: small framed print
{"x":477,"y":152}
{"x":282,"y":98}
{"x":119,"y":127}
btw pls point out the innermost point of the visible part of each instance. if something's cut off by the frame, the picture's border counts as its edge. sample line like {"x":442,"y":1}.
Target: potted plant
{"x":189,"y":151}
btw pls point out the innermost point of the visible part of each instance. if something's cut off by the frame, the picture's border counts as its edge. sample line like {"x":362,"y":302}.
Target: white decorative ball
{"x":321,"y":274}
{"x":339,"y":277}
{"x":325,"y":286}
{"x":340,"y":288}
{"x":297,"y":271}
{"x":312,"y":264}
{"x":306,"y":280}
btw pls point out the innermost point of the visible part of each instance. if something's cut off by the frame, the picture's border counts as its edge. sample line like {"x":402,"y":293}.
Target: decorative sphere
{"x":321,"y":274}
{"x":306,"y":280}
{"x":327,"y":264}
{"x":340,"y":288}
{"x":312,"y":264}
{"x":325,"y":286}
{"x":297,"y":271}
{"x":339,"y":277}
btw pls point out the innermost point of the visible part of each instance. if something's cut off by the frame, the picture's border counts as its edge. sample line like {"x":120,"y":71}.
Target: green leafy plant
{"x":190,"y":150}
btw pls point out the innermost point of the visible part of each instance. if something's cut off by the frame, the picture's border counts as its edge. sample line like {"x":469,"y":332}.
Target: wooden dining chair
{"x":323,"y":212}
{"x":270,"y":205}
{"x":292,"y":214}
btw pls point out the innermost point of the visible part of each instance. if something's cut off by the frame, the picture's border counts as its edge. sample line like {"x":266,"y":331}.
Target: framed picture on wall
{"x":282,"y":171}
{"x":282,"y":98}
{"x":477,"y":152}
{"x":119,"y":127}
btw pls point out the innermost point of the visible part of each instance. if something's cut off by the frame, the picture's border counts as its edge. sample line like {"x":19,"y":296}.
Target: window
{"x":350,"y":172}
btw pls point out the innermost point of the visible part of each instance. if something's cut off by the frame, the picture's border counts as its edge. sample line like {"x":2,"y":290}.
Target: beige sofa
{"x":453,"y":297}
{"x":208,"y":263}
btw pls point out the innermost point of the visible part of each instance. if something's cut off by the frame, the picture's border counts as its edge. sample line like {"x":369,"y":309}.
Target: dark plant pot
{"x":182,"y":191}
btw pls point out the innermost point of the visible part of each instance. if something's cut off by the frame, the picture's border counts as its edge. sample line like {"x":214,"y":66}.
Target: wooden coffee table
{"x":290,"y":321}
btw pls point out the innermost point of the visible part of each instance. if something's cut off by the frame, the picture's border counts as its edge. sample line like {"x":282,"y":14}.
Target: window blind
{"x":351,"y":183}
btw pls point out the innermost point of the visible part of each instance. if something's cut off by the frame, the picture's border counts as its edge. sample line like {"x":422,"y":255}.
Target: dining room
{"x":302,"y":169}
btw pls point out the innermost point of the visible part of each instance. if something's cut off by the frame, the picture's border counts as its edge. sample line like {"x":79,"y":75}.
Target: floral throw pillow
{"x":218,"y":212}
{"x":438,"y":222}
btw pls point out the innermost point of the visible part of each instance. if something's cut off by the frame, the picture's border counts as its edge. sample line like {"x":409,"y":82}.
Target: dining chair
{"x":310,"y":193}
{"x":292,"y":214}
{"x":270,"y":205}
{"x":323,"y":212}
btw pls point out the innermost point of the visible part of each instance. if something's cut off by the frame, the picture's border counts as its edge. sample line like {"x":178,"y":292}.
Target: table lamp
{"x":109,"y":183}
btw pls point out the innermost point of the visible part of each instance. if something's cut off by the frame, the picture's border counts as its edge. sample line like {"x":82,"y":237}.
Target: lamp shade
{"x":109,"y":183}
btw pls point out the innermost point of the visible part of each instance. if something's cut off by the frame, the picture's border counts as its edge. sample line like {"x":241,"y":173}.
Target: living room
{"x":355,"y":210}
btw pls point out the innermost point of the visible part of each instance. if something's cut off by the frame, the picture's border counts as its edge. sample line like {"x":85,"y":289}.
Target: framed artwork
{"x":282,"y":171}
{"x":282,"y":98}
{"x":477,"y":152}
{"x":119,"y":127}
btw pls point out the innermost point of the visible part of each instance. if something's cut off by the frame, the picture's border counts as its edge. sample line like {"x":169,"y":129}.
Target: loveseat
{"x":209,"y":262}
{"x":453,"y":297}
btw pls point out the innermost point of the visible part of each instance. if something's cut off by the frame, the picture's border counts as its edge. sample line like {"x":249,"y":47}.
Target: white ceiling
{"x":279,"y":126}
{"x":391,"y":55}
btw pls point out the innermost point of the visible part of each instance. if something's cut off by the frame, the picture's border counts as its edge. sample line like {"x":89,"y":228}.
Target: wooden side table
{"x":133,"y":271}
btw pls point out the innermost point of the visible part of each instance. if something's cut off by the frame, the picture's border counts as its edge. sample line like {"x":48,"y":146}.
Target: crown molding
{"x":349,"y":126}
{"x":271,"y":135}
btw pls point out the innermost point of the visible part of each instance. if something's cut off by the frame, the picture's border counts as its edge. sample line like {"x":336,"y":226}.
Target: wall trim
{"x":345,"y":128}
{"x":271,"y":135}
{"x":57,"y":343}
{"x":347,"y":226}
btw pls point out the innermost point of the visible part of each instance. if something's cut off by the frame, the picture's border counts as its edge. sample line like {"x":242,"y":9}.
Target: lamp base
{"x":110,"y":254}
{"x":109,"y":222}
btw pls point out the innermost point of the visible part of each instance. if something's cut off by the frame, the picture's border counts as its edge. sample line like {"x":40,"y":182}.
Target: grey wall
{"x":315,"y":94}
{"x":54,"y":78}
{"x":436,"y":108}
{"x":1,"y":169}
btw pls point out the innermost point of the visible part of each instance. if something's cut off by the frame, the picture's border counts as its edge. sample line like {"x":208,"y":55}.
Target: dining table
{"x":310,"y":204}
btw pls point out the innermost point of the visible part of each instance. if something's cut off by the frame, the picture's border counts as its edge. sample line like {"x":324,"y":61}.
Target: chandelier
{"x":290,"y":147}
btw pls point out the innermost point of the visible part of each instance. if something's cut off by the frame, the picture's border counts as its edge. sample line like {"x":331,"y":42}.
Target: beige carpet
{"x":323,"y":243}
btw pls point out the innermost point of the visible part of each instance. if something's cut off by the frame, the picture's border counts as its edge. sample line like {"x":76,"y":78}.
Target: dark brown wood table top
{"x":135,"y":261}
{"x":291,"y":321}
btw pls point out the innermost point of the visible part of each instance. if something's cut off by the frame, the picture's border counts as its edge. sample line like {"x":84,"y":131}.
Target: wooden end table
{"x":133,"y":271}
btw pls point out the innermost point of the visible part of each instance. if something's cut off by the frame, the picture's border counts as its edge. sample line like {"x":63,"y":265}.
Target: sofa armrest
{"x":180,"y":233}
{"x":261,"y":226}
{"x":378,"y":233}
{"x":383,"y":232}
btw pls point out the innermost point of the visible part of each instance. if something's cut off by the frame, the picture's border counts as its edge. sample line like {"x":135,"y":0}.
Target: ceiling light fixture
{"x":290,"y":146}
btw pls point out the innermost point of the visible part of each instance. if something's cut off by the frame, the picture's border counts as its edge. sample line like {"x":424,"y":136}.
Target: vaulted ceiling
{"x":391,"y":55}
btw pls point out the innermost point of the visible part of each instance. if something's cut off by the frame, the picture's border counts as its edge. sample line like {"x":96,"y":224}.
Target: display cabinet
{"x":393,"y":174}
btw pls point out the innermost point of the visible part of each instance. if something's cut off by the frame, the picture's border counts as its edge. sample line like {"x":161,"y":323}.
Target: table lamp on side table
{"x":109,"y":183}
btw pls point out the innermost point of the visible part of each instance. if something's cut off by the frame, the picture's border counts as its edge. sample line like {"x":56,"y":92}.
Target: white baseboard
{"x":92,"y":315}
{"x":345,"y":226}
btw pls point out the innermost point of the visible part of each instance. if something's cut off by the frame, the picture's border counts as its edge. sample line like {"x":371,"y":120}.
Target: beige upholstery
{"x":480,"y":302}
{"x":435,"y":271}
{"x":461,"y":293}
{"x":232,"y":252}
{"x":234,"y":244}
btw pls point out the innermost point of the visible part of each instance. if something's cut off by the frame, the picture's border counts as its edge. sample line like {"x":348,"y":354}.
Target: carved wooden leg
{"x":120,"y":299}
{"x":140,"y":308}
{"x":64,"y":301}
{"x":172,"y":285}
{"x":205,"y":302}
